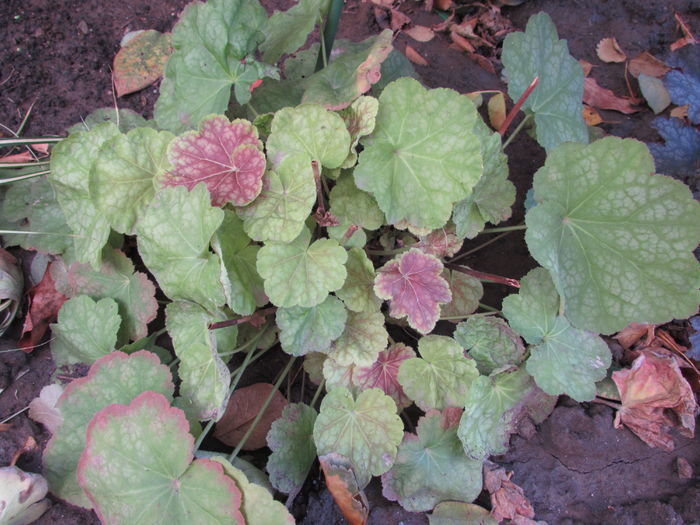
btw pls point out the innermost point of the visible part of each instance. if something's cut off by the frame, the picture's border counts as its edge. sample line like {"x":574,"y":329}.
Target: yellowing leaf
{"x":141,"y":61}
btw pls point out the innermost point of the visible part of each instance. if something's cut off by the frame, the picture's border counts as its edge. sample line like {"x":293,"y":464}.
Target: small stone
{"x":685,"y":469}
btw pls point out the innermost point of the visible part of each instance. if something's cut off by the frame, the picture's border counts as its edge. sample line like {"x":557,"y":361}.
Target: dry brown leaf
{"x":649,"y":65}
{"x":25,"y":156}
{"x":590,"y":116}
{"x":30,"y":445}
{"x":684,"y":468}
{"x":687,"y":38}
{"x":45,"y":302}
{"x":483,"y":62}
{"x":420,"y":33}
{"x":414,"y":56}
{"x":43,"y":409}
{"x":655,"y":397}
{"x":243,"y":407}
{"x":41,"y":148}
{"x":602,"y":98}
{"x":586,"y":66}
{"x":609,"y":50}
{"x":633,"y":332}
{"x":461,"y":42}
{"x":497,"y":110}
{"x":342,"y":484}
{"x":443,"y":5}
{"x":680,"y":111}
{"x":399,"y":20}
{"x":508,"y":500}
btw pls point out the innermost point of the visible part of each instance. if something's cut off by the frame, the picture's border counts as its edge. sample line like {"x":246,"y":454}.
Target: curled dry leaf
{"x":414,"y":56}
{"x":242,"y":409}
{"x":655,"y":397}
{"x":43,"y":409}
{"x":602,"y":98}
{"x":508,"y":500}
{"x":420,"y":33}
{"x":649,"y":65}
{"x":633,"y":332}
{"x":343,"y":485}
{"x":609,"y":50}
{"x":590,"y":116}
{"x":461,"y":42}
{"x":45,"y":302}
{"x":687,"y":38}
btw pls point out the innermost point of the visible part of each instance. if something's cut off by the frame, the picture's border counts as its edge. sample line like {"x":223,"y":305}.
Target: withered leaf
{"x":508,"y":500}
{"x":343,"y":485}
{"x":602,"y":98}
{"x":414,"y":56}
{"x":609,"y":50}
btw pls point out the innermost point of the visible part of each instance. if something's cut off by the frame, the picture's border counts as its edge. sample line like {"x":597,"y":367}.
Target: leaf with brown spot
{"x":343,"y":485}
{"x":649,"y":65}
{"x":420,"y":33}
{"x":242,"y":409}
{"x":508,"y":500}
{"x":609,"y":50}
{"x":602,"y":98}
{"x":414,"y":56}
{"x":45,"y":302}
{"x":141,"y":61}
{"x":655,"y":397}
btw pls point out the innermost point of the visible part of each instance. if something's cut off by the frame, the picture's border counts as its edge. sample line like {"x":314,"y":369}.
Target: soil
{"x":576,"y":468}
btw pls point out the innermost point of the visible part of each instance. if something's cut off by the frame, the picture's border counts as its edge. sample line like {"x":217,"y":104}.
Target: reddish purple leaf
{"x":383,"y":373}
{"x":414,"y":288}
{"x":226,"y":156}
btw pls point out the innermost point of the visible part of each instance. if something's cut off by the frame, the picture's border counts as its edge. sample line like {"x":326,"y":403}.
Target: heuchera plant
{"x":317,"y":207}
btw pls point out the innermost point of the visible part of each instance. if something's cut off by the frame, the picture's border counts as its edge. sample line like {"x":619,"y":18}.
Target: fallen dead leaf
{"x":609,"y":50}
{"x":45,"y":302}
{"x":443,"y":5}
{"x":399,"y":20}
{"x":508,"y":500}
{"x":497,"y":110}
{"x":590,"y":116}
{"x":687,"y":38}
{"x":483,"y":62}
{"x":586,"y":66}
{"x":30,"y":445}
{"x":461,"y":42}
{"x":649,"y":65}
{"x":633,"y":332}
{"x":41,"y":148}
{"x":599,"y":97}
{"x":680,"y":111}
{"x":25,"y":156}
{"x":684,"y":468}
{"x":414,"y":56}
{"x":420,"y":33}
{"x":655,"y":398}
{"x":43,"y":409}
{"x":342,"y":484}
{"x":243,"y":407}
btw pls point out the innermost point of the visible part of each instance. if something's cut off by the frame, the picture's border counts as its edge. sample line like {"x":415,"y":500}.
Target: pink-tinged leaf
{"x":225,"y":155}
{"x":441,"y":242}
{"x":413,"y":285}
{"x":383,"y":373}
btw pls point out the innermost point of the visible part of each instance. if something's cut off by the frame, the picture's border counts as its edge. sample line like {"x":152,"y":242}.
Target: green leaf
{"x":349,"y":75}
{"x":125,"y":119}
{"x":116,"y":279}
{"x":293,"y":451}
{"x":86,"y":330}
{"x":460,"y":513}
{"x":618,"y":241}
{"x":366,"y":430}
{"x":417,"y":171}
{"x":358,"y":239}
{"x":299,"y":274}
{"x":441,"y":377}
{"x":205,"y":377}
{"x":491,"y":414}
{"x":173,"y":239}
{"x":338,"y":375}
{"x":354,"y":206}
{"x":286,"y":31}
{"x":159,"y":483}
{"x":31,"y":205}
{"x":556,"y":101}
{"x":114,"y":378}
{"x":493,"y":195}
{"x":313,"y":329}
{"x":242,"y":284}
{"x":122,"y":178}
{"x":213,"y":44}
{"x":466,"y":294}
{"x":431,"y":467}
{"x":287,"y":197}
{"x":71,"y":162}
{"x":358,"y":290}
{"x":309,"y":129}
{"x":364,"y":337}
{"x":490,"y":342}
{"x":563,"y":360}
{"x":360,"y":119}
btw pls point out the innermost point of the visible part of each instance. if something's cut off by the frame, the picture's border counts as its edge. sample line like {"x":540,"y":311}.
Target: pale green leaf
{"x":466,"y":294}
{"x":286,"y":200}
{"x":21,"y":496}
{"x":441,"y":377}
{"x":358,"y":290}
{"x":115,"y":378}
{"x":556,"y":101}
{"x":431,"y":467}
{"x":313,"y":329}
{"x":309,"y":129}
{"x":618,"y":241}
{"x":352,"y":205}
{"x":358,"y":239}
{"x":490,"y":342}
{"x":205,"y":377}
{"x":364,"y":337}
{"x":338,"y":375}
{"x":116,"y":279}
{"x":423,"y":155}
{"x":286,"y":31}
{"x":460,"y":513}
{"x":158,"y":483}
{"x":299,"y":274}
{"x":366,"y":430}
{"x":86,"y":330}
{"x":71,"y":162}
{"x":126,"y":119}
{"x":242,"y":284}
{"x":293,"y":451}
{"x":532,"y":311}
{"x":122,"y":178}
{"x":173,"y":239}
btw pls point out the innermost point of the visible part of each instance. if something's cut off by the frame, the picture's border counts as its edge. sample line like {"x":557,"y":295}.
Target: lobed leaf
{"x":617,"y":240}
{"x":362,"y":339}
{"x":286,"y":31}
{"x":684,"y":88}
{"x":358,"y":290}
{"x":354,"y":206}
{"x":313,"y":329}
{"x":490,"y":342}
{"x":366,"y":430}
{"x":679,"y":156}
{"x":383,"y":373}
